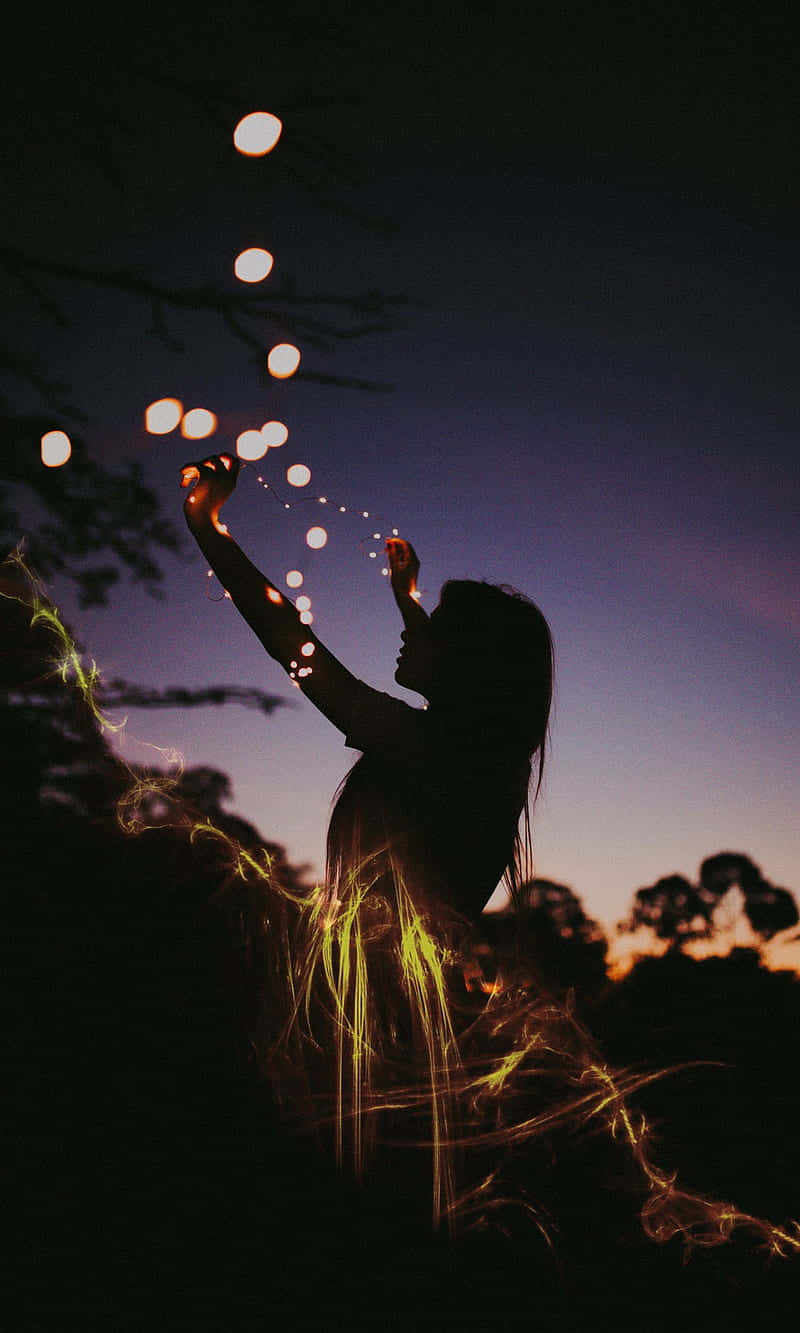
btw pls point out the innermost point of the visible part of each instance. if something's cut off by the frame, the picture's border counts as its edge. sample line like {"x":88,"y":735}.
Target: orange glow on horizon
{"x":163,"y":416}
{"x":56,"y":448}
{"x":298,"y":474}
{"x":283,"y":360}
{"x":257,"y":133}
{"x":275,"y":433}
{"x":253,"y":265}
{"x":197,"y":423}
{"x":251,"y":445}
{"x":316,"y":538}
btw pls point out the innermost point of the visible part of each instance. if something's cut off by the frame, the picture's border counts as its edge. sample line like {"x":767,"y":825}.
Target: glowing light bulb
{"x":294,"y":579}
{"x":163,"y":416}
{"x":307,"y":650}
{"x":257,"y":133}
{"x":365,"y":513}
{"x":197,"y":423}
{"x":298,"y":474}
{"x":373,"y":555}
{"x":395,"y":532}
{"x":306,"y":618}
{"x":293,"y":665}
{"x":303,"y":603}
{"x":274,"y":596}
{"x":316,"y":538}
{"x":56,"y":448}
{"x":275,"y":434}
{"x":250,"y":445}
{"x":253,"y":265}
{"x":376,"y":536}
{"x":323,"y":499}
{"x":342,"y":509}
{"x":283,"y":360}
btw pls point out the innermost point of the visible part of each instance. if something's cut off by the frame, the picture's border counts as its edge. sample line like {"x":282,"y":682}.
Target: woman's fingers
{"x":399,"y":552}
{"x":190,"y":472}
{"x":221,"y":464}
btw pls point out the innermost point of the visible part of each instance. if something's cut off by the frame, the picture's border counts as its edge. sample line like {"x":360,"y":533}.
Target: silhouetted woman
{"x":425,"y":825}
{"x":438,"y":792}
{"x":365,"y":971}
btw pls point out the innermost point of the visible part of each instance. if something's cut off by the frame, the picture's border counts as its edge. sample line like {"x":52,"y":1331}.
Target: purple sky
{"x":596,"y":401}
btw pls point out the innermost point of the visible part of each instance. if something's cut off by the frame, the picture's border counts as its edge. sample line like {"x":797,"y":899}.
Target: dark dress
{"x":430,"y":797}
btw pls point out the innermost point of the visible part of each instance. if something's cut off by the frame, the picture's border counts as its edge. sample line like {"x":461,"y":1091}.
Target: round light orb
{"x":316,"y":538}
{"x":283,"y":360}
{"x":163,"y":416}
{"x":197,"y":423}
{"x":275,"y":434}
{"x":56,"y":448}
{"x":307,"y":649}
{"x":294,"y":579}
{"x":257,"y":133}
{"x":306,"y":618}
{"x":253,"y":265}
{"x":250,"y":445}
{"x":298,"y":474}
{"x":303,"y":603}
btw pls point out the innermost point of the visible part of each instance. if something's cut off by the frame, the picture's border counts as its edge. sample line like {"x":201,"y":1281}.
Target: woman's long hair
{"x":503,"y":684}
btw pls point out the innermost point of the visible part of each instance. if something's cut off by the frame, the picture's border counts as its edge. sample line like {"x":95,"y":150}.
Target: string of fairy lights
{"x":255,"y":135}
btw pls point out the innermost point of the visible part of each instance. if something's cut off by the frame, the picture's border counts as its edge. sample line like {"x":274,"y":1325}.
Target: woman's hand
{"x":213,"y":480}
{"x":403,"y":566}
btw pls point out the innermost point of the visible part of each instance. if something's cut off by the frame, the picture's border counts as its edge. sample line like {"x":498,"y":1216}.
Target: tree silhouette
{"x":550,"y":939}
{"x":768,"y":909}
{"x":678,"y":911}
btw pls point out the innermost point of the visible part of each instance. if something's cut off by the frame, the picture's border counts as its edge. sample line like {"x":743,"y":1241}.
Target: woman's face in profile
{"x":420,"y":663}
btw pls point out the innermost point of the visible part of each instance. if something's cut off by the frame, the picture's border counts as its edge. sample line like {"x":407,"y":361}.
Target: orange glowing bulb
{"x":251,"y":445}
{"x":298,"y":474}
{"x":56,"y":448}
{"x":294,"y":579}
{"x":198,"y":423}
{"x":316,"y":538}
{"x":253,"y":265}
{"x":275,"y":434}
{"x":283,"y":360}
{"x":163,"y":416}
{"x":257,"y":133}
{"x":274,"y":596}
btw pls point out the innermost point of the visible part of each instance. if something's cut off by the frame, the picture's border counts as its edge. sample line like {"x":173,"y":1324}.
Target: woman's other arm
{"x":404,"y":569}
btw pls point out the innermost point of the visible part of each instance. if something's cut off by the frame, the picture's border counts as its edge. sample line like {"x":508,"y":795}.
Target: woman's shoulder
{"x":383,"y":724}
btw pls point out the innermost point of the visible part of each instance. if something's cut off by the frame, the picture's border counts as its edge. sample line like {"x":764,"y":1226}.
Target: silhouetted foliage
{"x":677,"y":911}
{"x":673,"y":909}
{"x":768,"y":909}
{"x":550,"y":939}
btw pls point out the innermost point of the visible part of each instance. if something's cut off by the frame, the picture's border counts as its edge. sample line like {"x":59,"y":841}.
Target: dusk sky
{"x":595,"y":400}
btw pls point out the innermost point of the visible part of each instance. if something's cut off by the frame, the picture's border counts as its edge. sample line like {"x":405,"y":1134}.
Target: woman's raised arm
{"x":321,"y":676}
